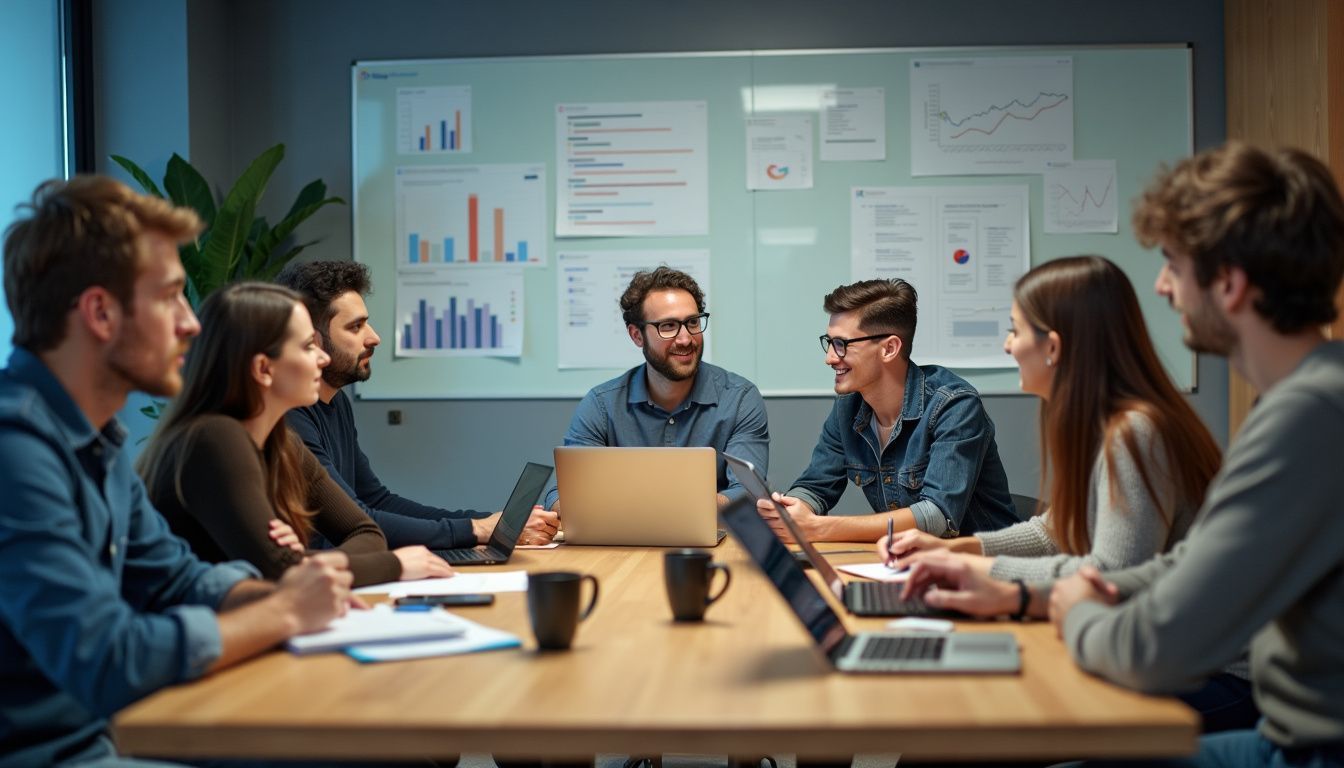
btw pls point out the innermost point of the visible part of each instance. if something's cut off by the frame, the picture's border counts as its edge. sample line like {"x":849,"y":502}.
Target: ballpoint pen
{"x":891,"y":528}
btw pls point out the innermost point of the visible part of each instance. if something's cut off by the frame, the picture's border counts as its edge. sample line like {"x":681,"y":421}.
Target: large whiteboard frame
{"x":749,"y":333}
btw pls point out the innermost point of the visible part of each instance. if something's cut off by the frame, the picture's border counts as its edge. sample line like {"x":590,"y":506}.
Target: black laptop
{"x":976,"y":652}
{"x":510,"y":526}
{"x":862,"y":598}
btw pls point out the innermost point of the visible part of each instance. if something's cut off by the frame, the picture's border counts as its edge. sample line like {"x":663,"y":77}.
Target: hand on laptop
{"x":952,"y":581}
{"x":802,"y":514}
{"x":419,"y":563}
{"x":541,"y":526}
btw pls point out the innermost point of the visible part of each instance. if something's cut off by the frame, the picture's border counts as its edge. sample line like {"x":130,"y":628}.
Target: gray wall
{"x":283,"y":76}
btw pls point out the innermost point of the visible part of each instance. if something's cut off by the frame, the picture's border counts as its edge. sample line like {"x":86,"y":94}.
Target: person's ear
{"x":261,"y":370}
{"x":1232,"y":289}
{"x":892,"y":348}
{"x":1054,"y":346}
{"x":636,"y":334}
{"x":100,"y":312}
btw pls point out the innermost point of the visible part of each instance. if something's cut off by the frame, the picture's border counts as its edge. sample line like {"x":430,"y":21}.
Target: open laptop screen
{"x":785,"y":573}
{"x":519,"y":506}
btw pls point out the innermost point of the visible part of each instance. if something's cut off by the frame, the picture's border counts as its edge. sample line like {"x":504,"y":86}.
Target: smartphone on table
{"x":445,"y":600}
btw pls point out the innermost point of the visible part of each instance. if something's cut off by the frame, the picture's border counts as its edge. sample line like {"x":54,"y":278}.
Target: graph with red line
{"x":1081,"y":197}
{"x":1000,"y":115}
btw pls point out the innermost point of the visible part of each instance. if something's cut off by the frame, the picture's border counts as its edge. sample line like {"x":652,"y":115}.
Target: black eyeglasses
{"x":694,"y":325}
{"x":841,"y":346}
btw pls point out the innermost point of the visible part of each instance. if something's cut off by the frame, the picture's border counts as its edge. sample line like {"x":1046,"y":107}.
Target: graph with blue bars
{"x":459,"y":311}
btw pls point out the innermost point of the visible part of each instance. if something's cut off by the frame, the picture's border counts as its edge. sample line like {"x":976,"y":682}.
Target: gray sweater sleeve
{"x":1125,"y":524}
{"x":1252,"y":556}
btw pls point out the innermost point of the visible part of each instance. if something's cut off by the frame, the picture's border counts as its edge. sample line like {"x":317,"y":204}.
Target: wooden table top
{"x":746,"y":681}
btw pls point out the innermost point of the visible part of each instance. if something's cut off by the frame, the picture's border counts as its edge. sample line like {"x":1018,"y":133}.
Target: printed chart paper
{"x":990,"y":116}
{"x":589,"y":284}
{"x":962,"y":248}
{"x":632,"y":169}
{"x":434,"y":120}
{"x":779,"y":152}
{"x":449,"y":310}
{"x":1081,"y":197}
{"x":471,"y":214}
{"x":853,"y":124}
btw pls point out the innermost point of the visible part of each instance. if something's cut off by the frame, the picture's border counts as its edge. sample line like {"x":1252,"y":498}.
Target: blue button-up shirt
{"x":942,"y":461}
{"x":724,"y":411}
{"x":99,"y":603}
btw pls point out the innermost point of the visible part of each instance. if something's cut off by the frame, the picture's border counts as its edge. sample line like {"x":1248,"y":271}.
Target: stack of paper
{"x":474,"y":637}
{"x":461,"y":584}
{"x":380,"y":624}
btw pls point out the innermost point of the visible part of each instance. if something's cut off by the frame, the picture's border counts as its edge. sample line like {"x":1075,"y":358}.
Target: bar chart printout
{"x":434,"y":120}
{"x":589,"y":330}
{"x":459,"y":311}
{"x":990,"y":116}
{"x":631,"y":169}
{"x":471,"y":214}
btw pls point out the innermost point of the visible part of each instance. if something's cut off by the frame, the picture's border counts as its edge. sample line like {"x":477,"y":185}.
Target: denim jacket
{"x":941,"y":462}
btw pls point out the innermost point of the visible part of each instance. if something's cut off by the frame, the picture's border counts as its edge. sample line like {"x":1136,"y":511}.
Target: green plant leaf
{"x":273,"y":268}
{"x":257,"y":252}
{"x":313,"y":193}
{"x":138,"y":174}
{"x":186,"y":187}
{"x":284,"y":228}
{"x":234,"y":220}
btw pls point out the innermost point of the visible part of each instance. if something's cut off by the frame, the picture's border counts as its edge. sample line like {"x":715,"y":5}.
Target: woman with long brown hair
{"x":224,"y":469}
{"x":1126,"y":459}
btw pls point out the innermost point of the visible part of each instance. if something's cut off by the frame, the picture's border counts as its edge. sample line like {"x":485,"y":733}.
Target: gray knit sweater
{"x":1125,"y":528}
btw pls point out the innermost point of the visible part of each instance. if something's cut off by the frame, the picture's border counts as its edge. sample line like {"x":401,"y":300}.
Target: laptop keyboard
{"x":903,"y":649}
{"x":878,"y":598}
{"x":462,"y":555}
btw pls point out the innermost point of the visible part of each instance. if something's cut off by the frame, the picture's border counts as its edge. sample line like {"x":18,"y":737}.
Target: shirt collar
{"x":705,"y":390}
{"x":27,"y":368}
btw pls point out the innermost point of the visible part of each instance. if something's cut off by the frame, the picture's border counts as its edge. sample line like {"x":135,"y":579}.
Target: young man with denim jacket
{"x":915,"y":439}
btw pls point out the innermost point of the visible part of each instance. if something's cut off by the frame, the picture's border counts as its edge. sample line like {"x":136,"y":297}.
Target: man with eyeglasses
{"x":915,"y":439}
{"x":674,"y":399}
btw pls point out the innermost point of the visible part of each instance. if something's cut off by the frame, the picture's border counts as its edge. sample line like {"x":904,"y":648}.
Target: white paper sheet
{"x":474,"y":637}
{"x":779,"y":152}
{"x":1081,"y":197}
{"x":962,"y":248}
{"x":461,"y":584}
{"x":854,"y":124}
{"x":632,"y":169}
{"x":589,"y":330}
{"x":875,"y":571}
{"x":380,"y":624}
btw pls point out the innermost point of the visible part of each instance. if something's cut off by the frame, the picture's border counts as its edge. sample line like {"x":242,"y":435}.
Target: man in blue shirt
{"x":100,"y":605}
{"x":915,"y":439}
{"x":334,"y":292}
{"x":674,"y":399}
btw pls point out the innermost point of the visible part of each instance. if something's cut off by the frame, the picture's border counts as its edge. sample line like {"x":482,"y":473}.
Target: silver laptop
{"x":977,"y":652}
{"x":862,"y":598}
{"x":644,"y":497}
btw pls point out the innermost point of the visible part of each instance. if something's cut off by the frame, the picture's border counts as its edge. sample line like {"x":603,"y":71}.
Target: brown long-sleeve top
{"x":223,"y":511}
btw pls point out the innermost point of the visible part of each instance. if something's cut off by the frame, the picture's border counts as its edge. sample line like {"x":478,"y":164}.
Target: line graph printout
{"x":962,"y":248}
{"x":632,"y":169}
{"x":1081,"y":197}
{"x":990,"y":116}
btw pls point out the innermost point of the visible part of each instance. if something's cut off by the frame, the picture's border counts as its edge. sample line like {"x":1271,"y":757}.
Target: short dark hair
{"x":322,"y":282}
{"x":661,"y":279}
{"x":883,"y":305}
{"x":1276,"y":214}
{"x":78,"y":234}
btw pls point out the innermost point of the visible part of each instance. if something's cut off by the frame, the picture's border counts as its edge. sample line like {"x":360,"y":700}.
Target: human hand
{"x":953,"y":581}
{"x":316,"y":591}
{"x":895,"y":550}
{"x":283,"y":535}
{"x":799,"y":510}
{"x":541,"y":526}
{"x":1086,"y":584}
{"x":419,"y":563}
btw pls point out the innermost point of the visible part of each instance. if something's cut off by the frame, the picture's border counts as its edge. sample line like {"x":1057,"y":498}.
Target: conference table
{"x":746,"y":681}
